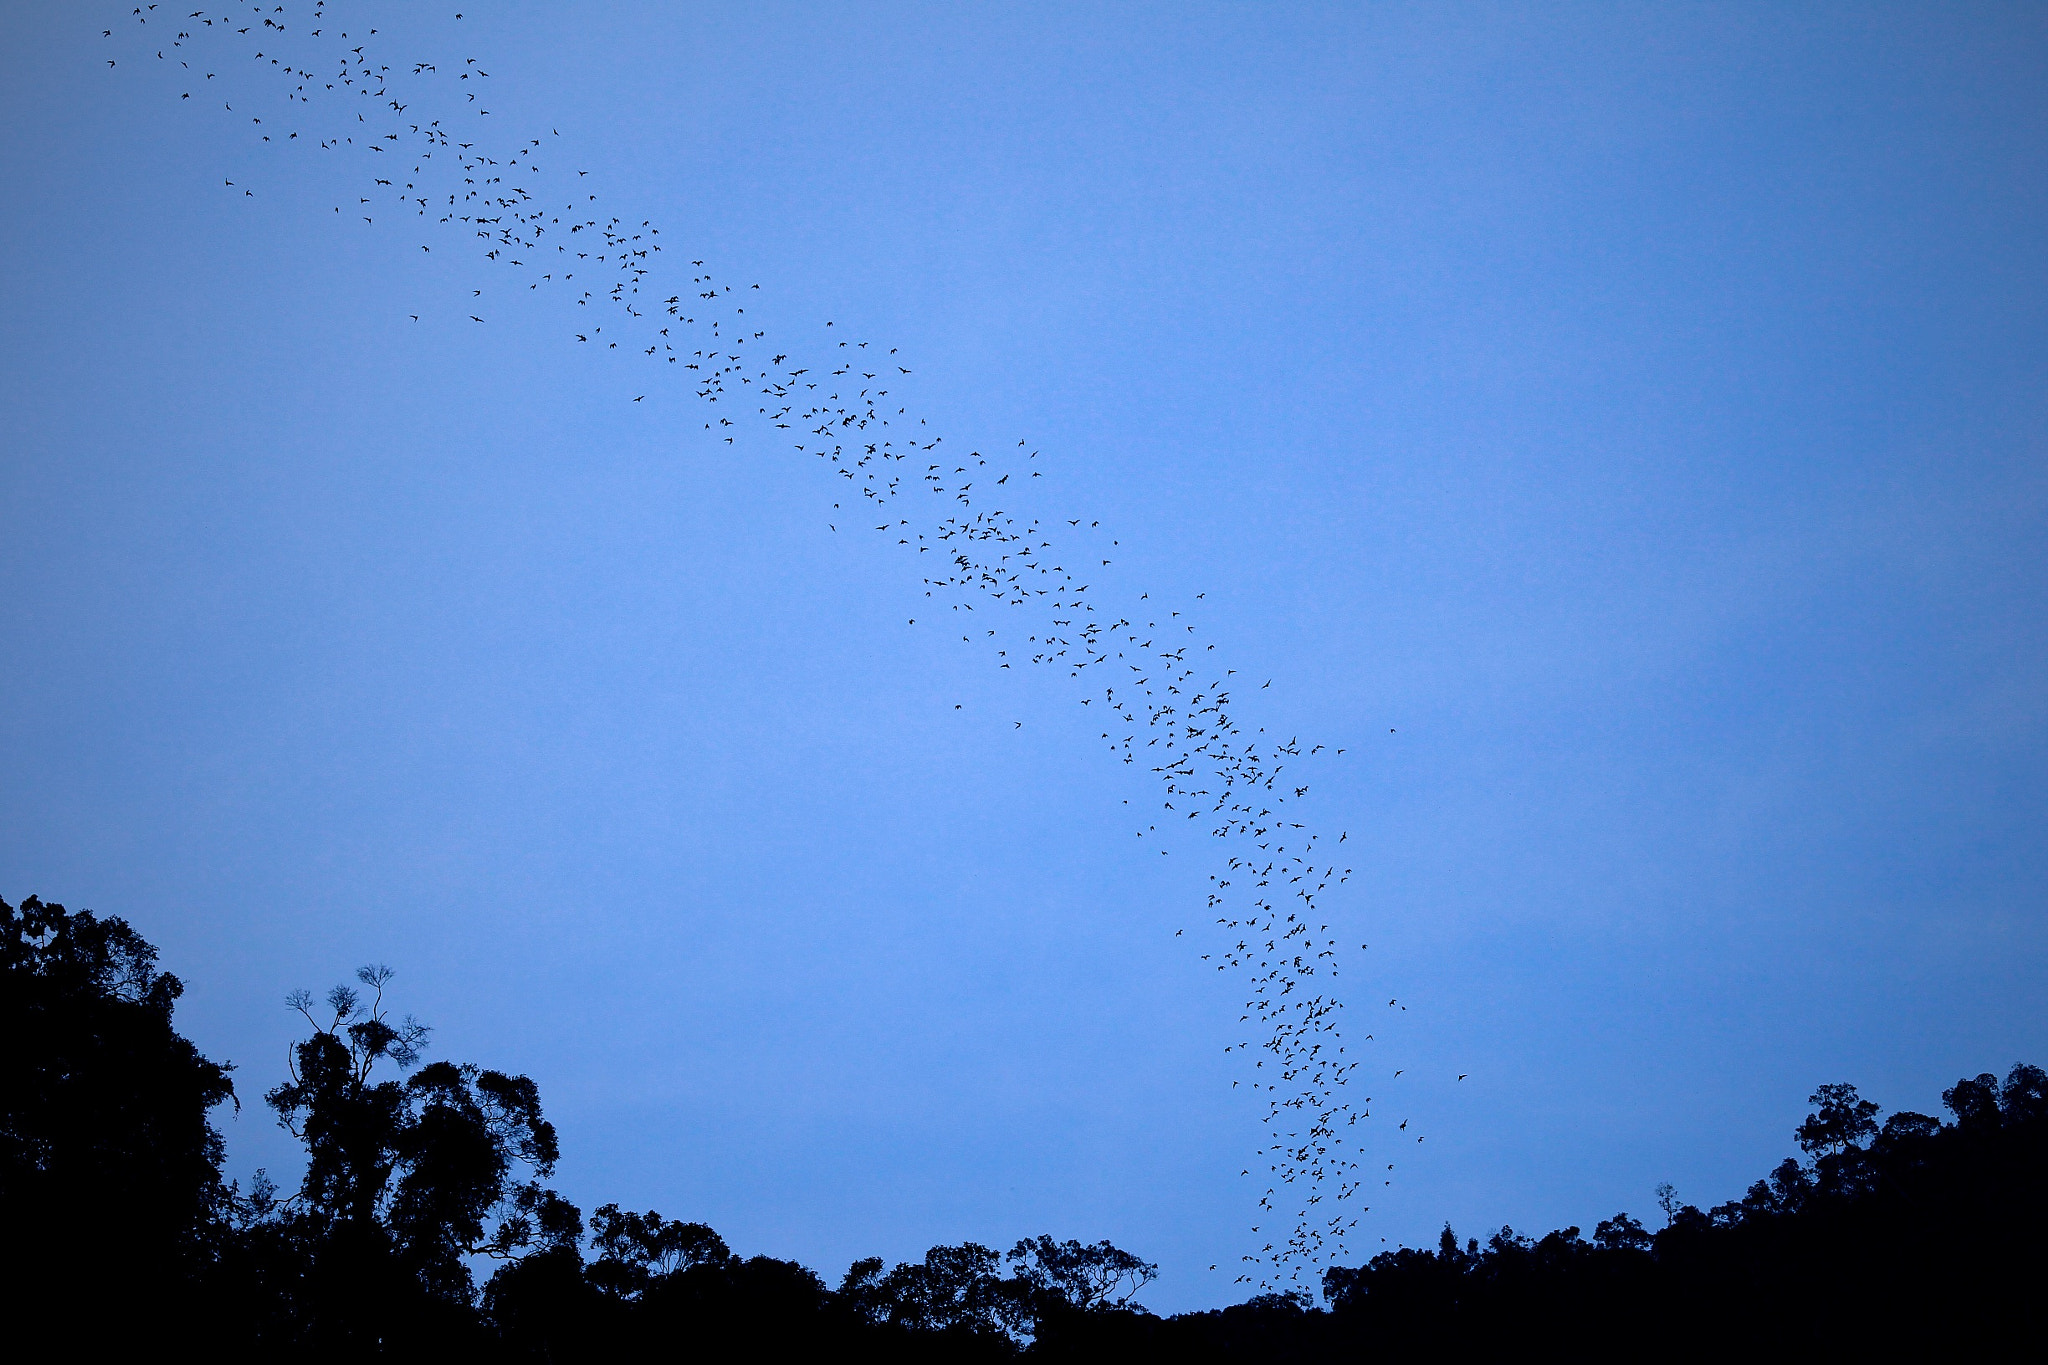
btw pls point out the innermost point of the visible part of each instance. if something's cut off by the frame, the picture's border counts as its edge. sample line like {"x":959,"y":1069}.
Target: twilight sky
{"x":1623,"y":429}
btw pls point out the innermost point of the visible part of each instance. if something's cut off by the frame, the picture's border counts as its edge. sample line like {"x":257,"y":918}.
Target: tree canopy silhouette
{"x":424,"y":1177}
{"x":110,"y":1184}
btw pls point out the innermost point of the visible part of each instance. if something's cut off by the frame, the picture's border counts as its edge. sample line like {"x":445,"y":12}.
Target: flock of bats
{"x":430,"y":154}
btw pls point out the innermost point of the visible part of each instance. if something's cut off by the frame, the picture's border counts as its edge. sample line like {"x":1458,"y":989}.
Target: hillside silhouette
{"x":424,"y":1224}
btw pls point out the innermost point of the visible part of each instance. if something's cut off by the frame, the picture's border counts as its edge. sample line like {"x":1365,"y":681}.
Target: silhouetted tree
{"x":955,"y":1289}
{"x":1067,"y":1295}
{"x":1841,"y":1120}
{"x":1080,"y":1277}
{"x":110,"y":1189}
{"x":1054,"y":1294}
{"x":656,"y":1282}
{"x":406,"y":1179}
{"x":634,"y":1250}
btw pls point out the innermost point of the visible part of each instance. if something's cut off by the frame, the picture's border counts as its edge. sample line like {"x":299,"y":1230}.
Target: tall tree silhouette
{"x":110,"y":1188}
{"x":407,"y":1178}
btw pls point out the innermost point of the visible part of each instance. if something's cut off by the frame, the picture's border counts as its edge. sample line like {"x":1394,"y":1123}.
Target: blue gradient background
{"x":1638,"y":411}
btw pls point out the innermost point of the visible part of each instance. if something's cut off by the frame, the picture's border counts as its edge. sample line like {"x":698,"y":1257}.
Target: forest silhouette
{"x":424,"y":1226}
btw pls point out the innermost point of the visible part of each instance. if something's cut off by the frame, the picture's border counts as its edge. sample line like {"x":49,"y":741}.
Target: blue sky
{"x":1620,"y":428}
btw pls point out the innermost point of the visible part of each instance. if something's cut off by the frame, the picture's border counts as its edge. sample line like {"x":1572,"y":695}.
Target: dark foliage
{"x":1909,"y":1233}
{"x":421,"y":1179}
{"x":408,"y":1183}
{"x":110,"y":1186}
